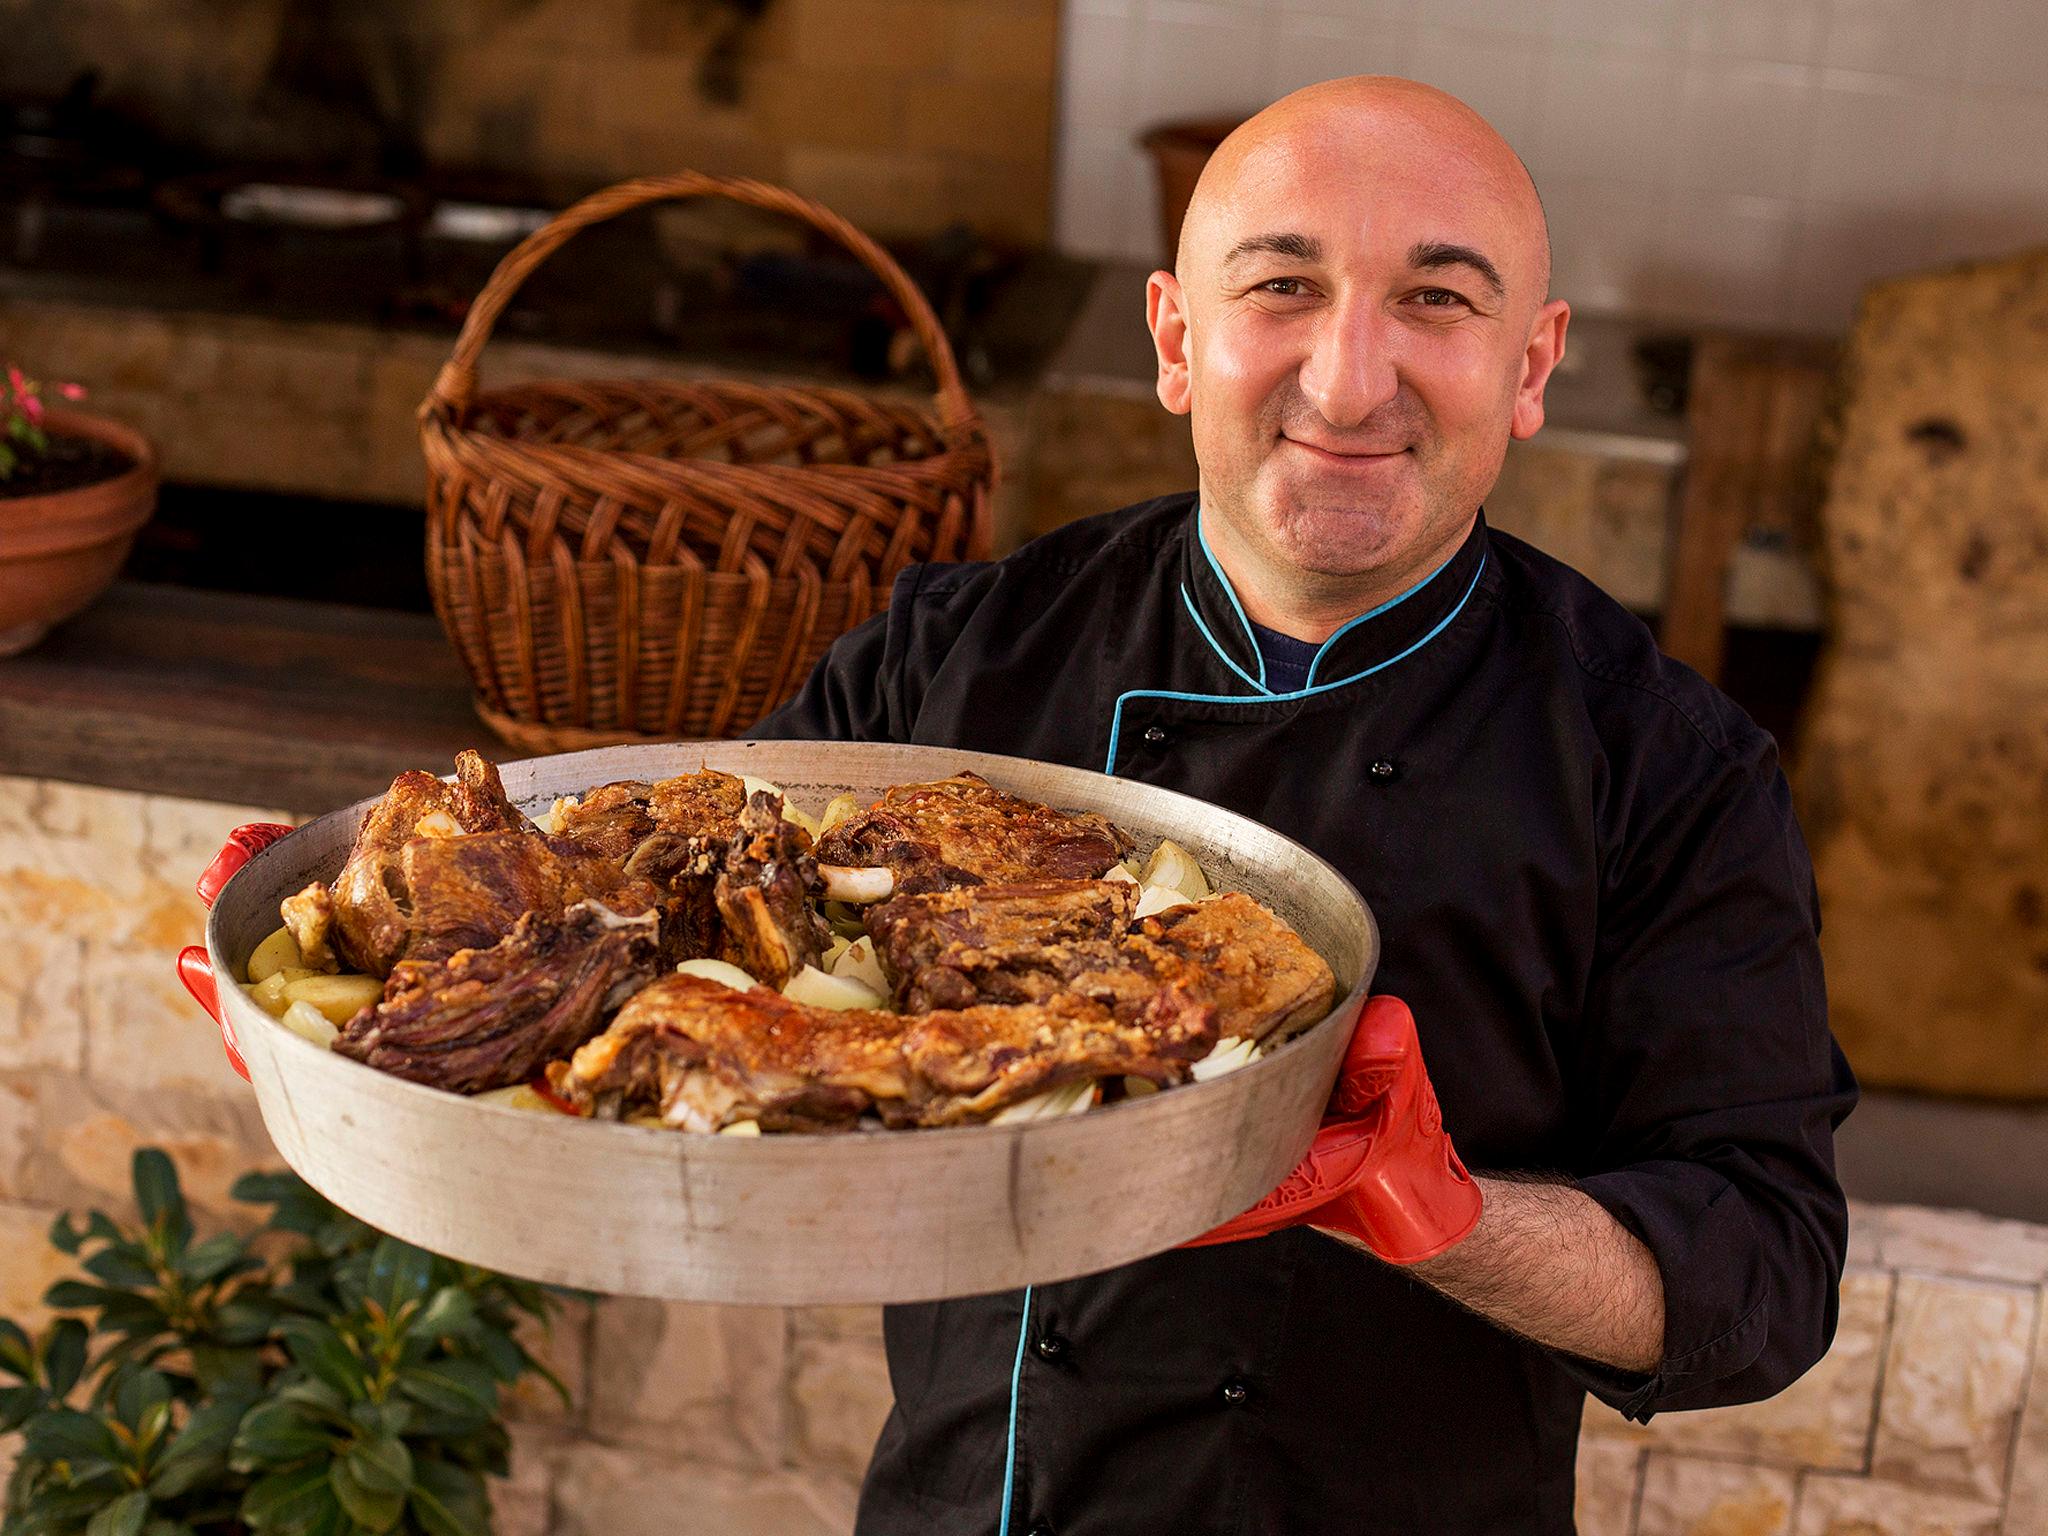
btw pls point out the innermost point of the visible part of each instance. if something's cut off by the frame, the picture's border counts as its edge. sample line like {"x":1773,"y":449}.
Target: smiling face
{"x":1357,"y":327}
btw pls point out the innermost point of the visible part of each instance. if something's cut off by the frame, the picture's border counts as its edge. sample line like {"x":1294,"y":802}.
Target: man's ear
{"x":1166,"y":313}
{"x":1545,"y":350}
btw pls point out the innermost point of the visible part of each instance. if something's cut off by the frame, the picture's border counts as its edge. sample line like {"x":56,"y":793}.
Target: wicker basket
{"x":644,"y":560}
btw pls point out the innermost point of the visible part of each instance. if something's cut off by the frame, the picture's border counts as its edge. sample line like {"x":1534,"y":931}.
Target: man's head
{"x":1357,"y":323}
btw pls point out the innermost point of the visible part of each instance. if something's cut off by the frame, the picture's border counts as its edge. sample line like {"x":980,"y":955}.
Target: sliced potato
{"x":814,"y":988}
{"x":275,"y":954}
{"x":840,"y":808}
{"x":1138,"y":1087}
{"x":1173,"y":865}
{"x":518,"y":1096}
{"x":268,"y":994}
{"x":789,"y":809}
{"x":741,"y":1128}
{"x":308,"y":1022}
{"x":340,"y":998}
{"x":840,"y":945}
{"x":1120,"y":872}
{"x":1157,"y":898}
{"x":1067,"y":1099}
{"x":859,"y":962}
{"x":718,"y":970}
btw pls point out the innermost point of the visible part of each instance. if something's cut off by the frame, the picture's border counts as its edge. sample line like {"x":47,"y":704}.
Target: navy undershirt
{"x":1287,"y":659}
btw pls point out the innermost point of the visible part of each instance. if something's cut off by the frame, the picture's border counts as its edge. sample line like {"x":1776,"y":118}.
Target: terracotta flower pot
{"x":1179,"y":151}
{"x":58,"y":552}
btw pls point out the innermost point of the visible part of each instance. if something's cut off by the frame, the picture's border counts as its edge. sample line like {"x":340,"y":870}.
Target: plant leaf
{"x":275,"y":1433}
{"x":64,"y":1355}
{"x":320,"y":1352}
{"x":71,"y":1295}
{"x":199,"y":1452}
{"x":123,"y":1264}
{"x":158,"y":1195}
{"x":16,"y":1404}
{"x":372,"y":1505}
{"x":381,"y":1463}
{"x":448,"y":1500}
{"x":138,"y":1394}
{"x":123,"y":1517}
{"x":209,"y":1260}
{"x":292,"y":1500}
{"x":462,"y":1389}
{"x":17,"y":1354}
{"x":450,"y":1312}
{"x":65,"y":1434}
{"x":399,"y":1273}
{"x":64,"y":1237}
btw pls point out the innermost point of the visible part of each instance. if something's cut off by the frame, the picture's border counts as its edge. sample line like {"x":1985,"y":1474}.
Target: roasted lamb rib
{"x":489,"y":1018}
{"x":694,"y":1053}
{"x":1028,"y":943}
{"x":761,"y":894}
{"x":961,"y":831}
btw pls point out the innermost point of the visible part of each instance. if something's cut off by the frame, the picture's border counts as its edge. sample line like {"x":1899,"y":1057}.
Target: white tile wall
{"x":1749,"y":162}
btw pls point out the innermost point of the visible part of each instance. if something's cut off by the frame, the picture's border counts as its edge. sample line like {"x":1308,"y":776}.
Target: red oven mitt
{"x":1381,"y":1168}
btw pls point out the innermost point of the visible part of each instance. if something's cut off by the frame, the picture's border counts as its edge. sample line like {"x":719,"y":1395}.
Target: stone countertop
{"x":227,"y":697}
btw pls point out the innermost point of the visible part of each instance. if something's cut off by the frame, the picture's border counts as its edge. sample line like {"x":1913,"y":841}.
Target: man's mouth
{"x":1347,"y":458}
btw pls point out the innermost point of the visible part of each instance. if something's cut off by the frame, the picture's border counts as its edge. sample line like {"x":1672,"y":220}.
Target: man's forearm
{"x":1551,"y":1264}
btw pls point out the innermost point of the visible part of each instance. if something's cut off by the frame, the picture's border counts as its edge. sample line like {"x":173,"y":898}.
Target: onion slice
{"x":851,"y":883}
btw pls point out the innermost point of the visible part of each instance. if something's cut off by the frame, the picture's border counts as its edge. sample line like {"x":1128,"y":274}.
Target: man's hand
{"x":1381,"y":1171}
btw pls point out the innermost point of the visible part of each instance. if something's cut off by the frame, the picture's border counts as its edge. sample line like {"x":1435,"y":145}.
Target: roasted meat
{"x":489,"y":1018}
{"x":676,"y":833}
{"x":1030,"y":943}
{"x":963,"y":831}
{"x":469,"y":892}
{"x":958,"y":947}
{"x":365,"y":918}
{"x":761,"y":893}
{"x":700,"y":1055}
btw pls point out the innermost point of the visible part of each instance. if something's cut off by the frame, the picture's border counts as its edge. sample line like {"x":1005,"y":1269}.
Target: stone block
{"x":1821,"y":1420}
{"x":563,"y":1346}
{"x":21,"y":1096}
{"x":851,"y":1322}
{"x":1609,"y":1477}
{"x":606,"y":1491}
{"x":42,"y":996}
{"x":897,"y":37}
{"x":1966,"y":1244}
{"x":1957,"y":1363}
{"x":1866,"y":1234}
{"x":831,"y":105}
{"x":678,"y":1375}
{"x":1833,"y":1505}
{"x":28,"y":1264}
{"x":143,"y":1030}
{"x":885,"y":192}
{"x":523,"y":1504}
{"x":95,"y":1150}
{"x":2026,"y":1507}
{"x":992,"y":120}
{"x":1094,"y":448}
{"x":1014,"y":40}
{"x":840,"y":1396}
{"x":1686,"y":1496}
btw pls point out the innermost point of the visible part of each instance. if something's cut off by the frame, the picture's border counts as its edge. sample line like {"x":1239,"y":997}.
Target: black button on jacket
{"x":1594,"y":895}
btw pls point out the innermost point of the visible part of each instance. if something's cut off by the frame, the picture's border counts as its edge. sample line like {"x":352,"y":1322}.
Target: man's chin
{"x":1336,"y":538}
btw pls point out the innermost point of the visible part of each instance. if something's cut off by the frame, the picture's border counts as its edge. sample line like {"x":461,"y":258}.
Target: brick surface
{"x":28,"y":1264}
{"x":1610,"y":1478}
{"x":1965,"y":1243}
{"x":2026,"y":1512}
{"x":604,"y":1491}
{"x":840,"y":1396}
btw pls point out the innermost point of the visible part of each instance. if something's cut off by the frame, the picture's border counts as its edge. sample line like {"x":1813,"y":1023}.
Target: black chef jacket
{"x":1593,"y":893}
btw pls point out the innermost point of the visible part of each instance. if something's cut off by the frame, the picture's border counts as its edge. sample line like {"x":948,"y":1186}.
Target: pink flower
{"x":15,"y":381}
{"x":71,"y":391}
{"x":32,"y":408}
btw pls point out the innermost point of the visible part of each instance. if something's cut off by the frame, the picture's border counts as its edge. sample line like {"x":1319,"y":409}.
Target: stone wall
{"x":1929,"y":1416}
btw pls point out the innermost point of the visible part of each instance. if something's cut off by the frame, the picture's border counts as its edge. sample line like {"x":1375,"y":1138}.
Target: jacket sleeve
{"x":1713,"y":1087}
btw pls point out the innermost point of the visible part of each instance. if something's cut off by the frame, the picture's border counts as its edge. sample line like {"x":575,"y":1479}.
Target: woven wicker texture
{"x":636,"y":559}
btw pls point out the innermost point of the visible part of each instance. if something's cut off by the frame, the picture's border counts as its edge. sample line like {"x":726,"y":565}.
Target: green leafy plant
{"x":22,"y":437}
{"x":317,"y":1377}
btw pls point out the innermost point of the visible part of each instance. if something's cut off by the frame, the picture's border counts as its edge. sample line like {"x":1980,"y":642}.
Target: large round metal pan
{"x":886,"y":1216}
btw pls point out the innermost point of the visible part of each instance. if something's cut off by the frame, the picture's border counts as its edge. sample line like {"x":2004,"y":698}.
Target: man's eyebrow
{"x":1294,"y":247}
{"x":1429,"y":254}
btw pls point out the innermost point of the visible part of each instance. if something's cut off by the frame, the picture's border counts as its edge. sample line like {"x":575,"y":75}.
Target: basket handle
{"x":455,"y":386}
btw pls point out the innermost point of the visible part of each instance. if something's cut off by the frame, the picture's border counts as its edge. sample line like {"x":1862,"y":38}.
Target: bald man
{"x":1599,"y":923}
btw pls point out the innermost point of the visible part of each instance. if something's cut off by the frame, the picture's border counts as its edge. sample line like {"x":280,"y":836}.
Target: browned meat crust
{"x":761,"y":894}
{"x":698,"y":1054}
{"x":964,"y":831}
{"x":489,"y":1018}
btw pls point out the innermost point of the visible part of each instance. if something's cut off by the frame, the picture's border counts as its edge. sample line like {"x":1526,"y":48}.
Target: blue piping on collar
{"x":1202,"y":538}
{"x":1371,"y":613}
{"x":1257,"y":682}
{"x":1116,"y":719}
{"x":1010,"y":1451}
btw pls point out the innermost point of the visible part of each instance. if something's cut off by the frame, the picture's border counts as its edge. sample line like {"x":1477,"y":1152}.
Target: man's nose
{"x":1349,"y":372}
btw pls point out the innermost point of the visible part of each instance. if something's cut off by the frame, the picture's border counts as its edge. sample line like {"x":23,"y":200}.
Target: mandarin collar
{"x":1362,"y":644}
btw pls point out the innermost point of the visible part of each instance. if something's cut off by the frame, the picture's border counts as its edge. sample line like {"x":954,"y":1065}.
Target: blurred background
{"x":1802,"y":428}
